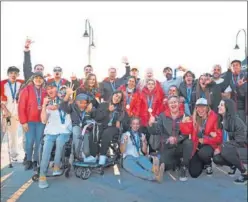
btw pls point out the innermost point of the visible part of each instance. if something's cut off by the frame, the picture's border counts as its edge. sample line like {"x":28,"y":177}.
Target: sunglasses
{"x":57,"y":70}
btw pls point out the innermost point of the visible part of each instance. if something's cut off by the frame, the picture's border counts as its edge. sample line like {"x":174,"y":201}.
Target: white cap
{"x":201,"y":101}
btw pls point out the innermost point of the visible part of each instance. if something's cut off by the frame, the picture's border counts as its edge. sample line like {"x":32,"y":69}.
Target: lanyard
{"x":189,"y":91}
{"x":59,"y":84}
{"x":38,"y":95}
{"x":82,"y":115}
{"x":203,"y":95}
{"x":112,"y":117}
{"x":235,"y":81}
{"x":149,"y":101}
{"x":113,"y":86}
{"x":13,"y":92}
{"x":175,"y":74}
{"x":62,"y":116}
{"x":128,"y":98}
{"x":202,"y":128}
{"x":55,"y":102}
{"x":136,"y":140}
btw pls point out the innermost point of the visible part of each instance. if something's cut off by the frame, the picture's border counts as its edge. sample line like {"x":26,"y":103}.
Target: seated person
{"x":109,"y":115}
{"x":57,"y":130}
{"x":234,"y":141}
{"x":174,"y":145}
{"x":205,"y":134}
{"x":134,"y":149}
{"x":80,"y":112}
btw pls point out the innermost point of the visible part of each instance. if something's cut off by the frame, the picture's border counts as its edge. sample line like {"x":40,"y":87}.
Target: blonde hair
{"x":197,"y":120}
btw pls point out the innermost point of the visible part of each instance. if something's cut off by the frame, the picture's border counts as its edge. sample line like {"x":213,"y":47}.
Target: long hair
{"x":120,"y":104}
{"x":197,"y":120}
{"x":206,"y":91}
{"x":86,"y":82}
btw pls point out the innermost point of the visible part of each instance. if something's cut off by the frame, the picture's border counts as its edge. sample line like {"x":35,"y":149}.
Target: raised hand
{"x":69,"y":90}
{"x":124,"y":60}
{"x":46,"y":100}
{"x":111,"y":108}
{"x":73,"y":77}
{"x":242,"y":81}
{"x":28,"y":42}
{"x":89,"y":108}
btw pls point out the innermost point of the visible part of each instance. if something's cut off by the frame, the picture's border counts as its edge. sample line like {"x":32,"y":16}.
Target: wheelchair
{"x":84,"y":170}
{"x":66,"y":166}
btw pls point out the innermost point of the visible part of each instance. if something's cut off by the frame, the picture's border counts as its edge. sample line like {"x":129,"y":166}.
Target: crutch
{"x":7,"y":136}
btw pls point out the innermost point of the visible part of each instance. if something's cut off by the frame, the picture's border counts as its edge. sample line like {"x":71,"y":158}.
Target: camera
{"x":8,"y":121}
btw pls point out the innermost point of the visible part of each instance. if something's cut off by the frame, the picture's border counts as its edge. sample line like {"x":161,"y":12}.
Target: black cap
{"x":167,"y":68}
{"x":38,"y":74}
{"x":13,"y":69}
{"x":238,"y":61}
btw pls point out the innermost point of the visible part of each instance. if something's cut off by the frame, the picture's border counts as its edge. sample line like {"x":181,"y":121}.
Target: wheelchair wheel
{"x":78,"y":172}
{"x":85,"y":174}
{"x":35,"y":178}
{"x":67,"y":173}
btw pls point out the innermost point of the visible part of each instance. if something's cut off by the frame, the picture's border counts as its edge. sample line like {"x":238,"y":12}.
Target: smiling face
{"x":168,"y":73}
{"x":52,"y":91}
{"x":236,"y":67}
{"x":39,"y":68}
{"x":173,"y":91}
{"x":202,"y":110}
{"x":116,"y":98}
{"x":149,"y":73}
{"x":38,"y":81}
{"x":189,"y":78}
{"x":13,"y":76}
{"x":131,"y":83}
{"x":222,"y":108}
{"x":135,"y":125}
{"x":202,"y":81}
{"x":134,"y":73}
{"x":217,"y":71}
{"x":82,"y":104}
{"x":173,"y":104}
{"x":112,"y":73}
{"x":150,"y":85}
{"x":92,"y":81}
{"x":88,"y":70}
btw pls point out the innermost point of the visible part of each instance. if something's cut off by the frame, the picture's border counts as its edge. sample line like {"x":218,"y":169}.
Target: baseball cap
{"x":57,"y":69}
{"x":201,"y":101}
{"x":134,"y":68}
{"x":50,"y":84}
{"x":40,"y":74}
{"x":13,"y":69}
{"x":82,"y":96}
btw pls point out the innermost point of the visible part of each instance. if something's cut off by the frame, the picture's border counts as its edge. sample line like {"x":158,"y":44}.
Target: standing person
{"x":238,"y":83}
{"x":9,"y":90}
{"x":131,"y":101}
{"x":57,"y":131}
{"x":172,"y":79}
{"x":175,"y":148}
{"x":29,"y":110}
{"x":205,"y":134}
{"x":91,"y":88}
{"x":110,"y":115}
{"x":111,"y":83}
{"x":234,"y":145}
{"x":134,"y":149}
{"x":187,"y":89}
{"x":57,"y":79}
{"x":134,"y":71}
{"x":217,"y":71}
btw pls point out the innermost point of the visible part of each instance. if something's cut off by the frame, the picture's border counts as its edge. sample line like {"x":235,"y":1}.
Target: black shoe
{"x":243,"y":178}
{"x":25,"y":159}
{"x":232,"y":171}
{"x":209,"y":170}
{"x":183,"y":174}
{"x":28,"y":165}
{"x":35,"y":167}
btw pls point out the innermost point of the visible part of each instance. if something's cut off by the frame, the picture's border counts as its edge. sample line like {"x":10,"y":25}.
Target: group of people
{"x":181,"y":123}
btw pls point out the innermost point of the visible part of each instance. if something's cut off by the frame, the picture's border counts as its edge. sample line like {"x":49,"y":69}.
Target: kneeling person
{"x":134,"y":148}
{"x":57,"y":130}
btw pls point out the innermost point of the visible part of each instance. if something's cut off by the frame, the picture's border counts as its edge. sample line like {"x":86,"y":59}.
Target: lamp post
{"x":236,"y":46}
{"x":90,"y":35}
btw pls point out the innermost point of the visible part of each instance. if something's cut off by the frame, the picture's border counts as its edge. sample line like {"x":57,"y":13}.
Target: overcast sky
{"x":152,"y":34}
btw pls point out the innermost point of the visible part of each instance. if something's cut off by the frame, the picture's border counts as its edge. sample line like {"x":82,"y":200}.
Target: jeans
{"x":49,"y":141}
{"x":139,"y":166}
{"x":33,"y":137}
{"x":187,"y":109}
{"x":77,"y":132}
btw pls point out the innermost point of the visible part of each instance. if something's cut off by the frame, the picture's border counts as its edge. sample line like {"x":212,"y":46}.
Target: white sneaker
{"x":102,"y":159}
{"x":57,"y":172}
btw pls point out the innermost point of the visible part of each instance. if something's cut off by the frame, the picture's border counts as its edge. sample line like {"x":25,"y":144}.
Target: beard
{"x":216,"y":76}
{"x":168,"y":76}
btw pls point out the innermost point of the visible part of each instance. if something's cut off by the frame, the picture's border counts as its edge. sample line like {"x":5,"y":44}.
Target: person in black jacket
{"x":234,"y":141}
{"x":110,"y":115}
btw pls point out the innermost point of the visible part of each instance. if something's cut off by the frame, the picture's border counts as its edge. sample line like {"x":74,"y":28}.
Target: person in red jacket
{"x":9,"y":90}
{"x":29,"y":111}
{"x":131,"y":101}
{"x":205,"y":134}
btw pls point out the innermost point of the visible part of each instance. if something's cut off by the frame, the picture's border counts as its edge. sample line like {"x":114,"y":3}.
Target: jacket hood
{"x":230,"y":108}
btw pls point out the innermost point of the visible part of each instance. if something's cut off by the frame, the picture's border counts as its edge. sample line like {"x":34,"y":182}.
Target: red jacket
{"x":134,"y":109}
{"x":211,"y":126}
{"x":2,"y":84}
{"x":28,"y":106}
{"x":156,"y":104}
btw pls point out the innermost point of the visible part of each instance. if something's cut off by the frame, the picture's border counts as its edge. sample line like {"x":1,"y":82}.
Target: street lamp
{"x":89,"y":28}
{"x":236,"y":46}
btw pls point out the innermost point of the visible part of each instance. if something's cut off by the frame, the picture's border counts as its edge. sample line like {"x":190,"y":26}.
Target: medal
{"x":13,"y":91}
{"x":39,"y":107}
{"x":149,"y":103}
{"x":150,"y":110}
{"x":127,"y":106}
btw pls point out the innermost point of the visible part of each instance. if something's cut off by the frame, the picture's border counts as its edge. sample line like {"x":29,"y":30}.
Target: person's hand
{"x":165,"y":100}
{"x":151,"y":121}
{"x":181,"y":99}
{"x":111,"y":108}
{"x":208,"y":80}
{"x":47,"y":75}
{"x":46,"y":100}
{"x":69,"y":90}
{"x":172,"y":140}
{"x":186,"y":119}
{"x":73,"y":77}
{"x":25,"y":127}
{"x":216,"y":151}
{"x":89,"y":108}
{"x":201,"y":140}
{"x":28,"y":42}
{"x":181,"y":68}
{"x":143,"y":138}
{"x":52,"y":107}
{"x":124,"y":60}
{"x":241,"y":81}
{"x":118,"y":124}
{"x":125,"y":138}
{"x":213,"y":134}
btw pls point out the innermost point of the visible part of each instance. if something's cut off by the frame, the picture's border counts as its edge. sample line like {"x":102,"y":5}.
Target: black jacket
{"x":215,"y":95}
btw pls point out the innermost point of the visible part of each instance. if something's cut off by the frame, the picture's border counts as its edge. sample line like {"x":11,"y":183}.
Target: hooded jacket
{"x":211,"y":126}
{"x":236,"y":128}
{"x":156,"y":104}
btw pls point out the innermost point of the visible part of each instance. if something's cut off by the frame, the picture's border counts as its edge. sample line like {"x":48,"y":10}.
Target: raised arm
{"x":27,"y":66}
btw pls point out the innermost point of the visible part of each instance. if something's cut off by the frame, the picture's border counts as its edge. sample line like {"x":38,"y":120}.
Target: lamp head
{"x":236,"y":46}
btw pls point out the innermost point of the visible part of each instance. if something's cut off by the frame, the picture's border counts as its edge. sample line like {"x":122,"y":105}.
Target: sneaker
{"x":155,"y":165}
{"x":160,"y":175}
{"x":35,"y":166}
{"x":28,"y":165}
{"x":57,"y":171}
{"x":232,"y":171}
{"x":25,"y":159}
{"x":209,"y":170}
{"x":243,"y":178}
{"x":183,"y":174}
{"x":90,"y":159}
{"x":14,"y":159}
{"x":43,"y":182}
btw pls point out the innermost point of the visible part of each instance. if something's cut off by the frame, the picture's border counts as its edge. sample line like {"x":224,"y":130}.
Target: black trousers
{"x":171,"y":156}
{"x":205,"y":153}
{"x":107,"y":135}
{"x":229,"y":156}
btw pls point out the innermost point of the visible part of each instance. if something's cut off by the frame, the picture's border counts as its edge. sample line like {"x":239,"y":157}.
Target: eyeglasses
{"x":57,"y":70}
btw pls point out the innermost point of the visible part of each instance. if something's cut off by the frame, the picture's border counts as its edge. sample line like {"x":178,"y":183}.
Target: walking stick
{"x":7,"y":136}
